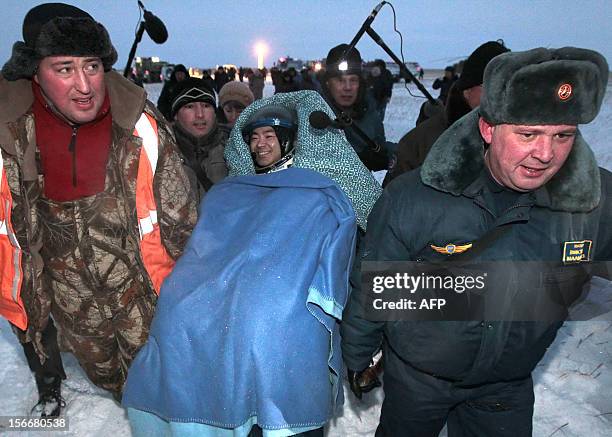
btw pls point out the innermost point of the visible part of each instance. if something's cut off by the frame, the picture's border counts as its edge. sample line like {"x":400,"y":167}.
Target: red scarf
{"x":73,"y":157}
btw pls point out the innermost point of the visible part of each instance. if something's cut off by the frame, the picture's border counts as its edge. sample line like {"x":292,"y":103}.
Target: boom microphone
{"x":154,"y":26}
{"x":320,"y":120}
{"x":366,"y":24}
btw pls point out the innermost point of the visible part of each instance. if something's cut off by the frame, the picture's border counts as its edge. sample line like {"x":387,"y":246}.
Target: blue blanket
{"x":247,"y":322}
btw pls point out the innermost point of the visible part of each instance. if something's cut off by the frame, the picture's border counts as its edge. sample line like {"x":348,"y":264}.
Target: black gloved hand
{"x":363,"y":381}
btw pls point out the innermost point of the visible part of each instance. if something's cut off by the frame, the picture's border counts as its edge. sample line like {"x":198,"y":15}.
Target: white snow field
{"x":573,"y":383}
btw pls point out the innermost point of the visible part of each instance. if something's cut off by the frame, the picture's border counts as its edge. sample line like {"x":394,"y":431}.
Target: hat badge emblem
{"x":565,"y":91}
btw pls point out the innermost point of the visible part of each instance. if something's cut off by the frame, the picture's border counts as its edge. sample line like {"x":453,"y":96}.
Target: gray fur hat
{"x":57,"y":29}
{"x":544,"y":86}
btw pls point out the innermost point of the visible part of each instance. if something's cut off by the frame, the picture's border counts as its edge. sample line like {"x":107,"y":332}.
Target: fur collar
{"x":127,"y":100}
{"x":191,"y":146}
{"x":456,"y":160}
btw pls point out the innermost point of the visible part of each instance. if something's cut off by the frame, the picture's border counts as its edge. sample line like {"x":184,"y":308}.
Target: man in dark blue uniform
{"x":512,"y":183}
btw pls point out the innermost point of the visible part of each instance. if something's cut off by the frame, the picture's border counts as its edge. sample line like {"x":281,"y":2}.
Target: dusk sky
{"x":205,"y":33}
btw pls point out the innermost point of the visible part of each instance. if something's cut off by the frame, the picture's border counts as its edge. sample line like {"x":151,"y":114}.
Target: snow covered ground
{"x":573,"y":383}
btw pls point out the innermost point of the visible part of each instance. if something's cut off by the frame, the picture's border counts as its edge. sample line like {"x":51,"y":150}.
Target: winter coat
{"x":268,"y":268}
{"x":164,"y":101}
{"x":204,"y":155}
{"x":221,"y":78}
{"x":450,"y":200}
{"x":366,"y":117}
{"x":287,"y":83}
{"x":370,"y":123}
{"x":382,"y":87}
{"x":310,"y":82}
{"x":256,"y":84}
{"x":443,"y":84}
{"x":110,"y":241}
{"x":414,"y":146}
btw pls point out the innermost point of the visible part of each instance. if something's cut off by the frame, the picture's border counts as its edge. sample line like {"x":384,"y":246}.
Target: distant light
{"x":154,"y":59}
{"x":261,"y":49}
{"x":317,"y":66}
{"x":343,"y":66}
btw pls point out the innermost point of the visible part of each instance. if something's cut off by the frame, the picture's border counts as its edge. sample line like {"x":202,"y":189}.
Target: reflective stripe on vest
{"x":155,"y":258}
{"x":11,"y":275}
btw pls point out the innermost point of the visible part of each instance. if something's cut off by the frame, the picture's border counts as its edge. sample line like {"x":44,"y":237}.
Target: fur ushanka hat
{"x":544,"y":86}
{"x":57,"y":29}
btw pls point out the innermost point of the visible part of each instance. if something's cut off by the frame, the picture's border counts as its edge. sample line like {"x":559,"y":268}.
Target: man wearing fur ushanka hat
{"x":512,"y":185}
{"x":96,"y":202}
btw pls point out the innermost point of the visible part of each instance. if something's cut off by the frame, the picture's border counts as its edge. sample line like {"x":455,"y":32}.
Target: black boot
{"x":48,"y":375}
{"x":50,"y":402}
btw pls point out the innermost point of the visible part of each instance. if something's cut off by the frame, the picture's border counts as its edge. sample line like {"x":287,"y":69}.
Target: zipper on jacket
{"x":72,"y":150}
{"x":483,"y":206}
{"x":518,"y":205}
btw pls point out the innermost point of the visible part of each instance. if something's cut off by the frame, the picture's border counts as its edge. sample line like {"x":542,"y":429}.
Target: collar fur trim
{"x":456,"y":160}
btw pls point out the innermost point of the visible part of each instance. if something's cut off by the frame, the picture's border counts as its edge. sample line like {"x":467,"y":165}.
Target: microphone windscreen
{"x":155,"y":28}
{"x":319,"y":120}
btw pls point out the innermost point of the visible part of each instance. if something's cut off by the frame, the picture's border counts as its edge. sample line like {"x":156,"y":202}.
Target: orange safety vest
{"x":156,"y":260}
{"x":11,"y":275}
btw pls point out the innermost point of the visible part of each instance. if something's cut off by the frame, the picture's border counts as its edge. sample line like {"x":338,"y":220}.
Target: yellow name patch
{"x":577,"y":251}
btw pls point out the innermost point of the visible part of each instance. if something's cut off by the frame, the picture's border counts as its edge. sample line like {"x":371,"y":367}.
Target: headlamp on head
{"x":341,"y":61}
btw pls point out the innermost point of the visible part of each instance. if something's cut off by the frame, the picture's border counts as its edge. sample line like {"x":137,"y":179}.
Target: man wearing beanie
{"x":464,"y":95}
{"x":513,"y":187}
{"x":233,"y":98}
{"x":345,"y":91}
{"x":198,"y":135}
{"x":98,"y":205}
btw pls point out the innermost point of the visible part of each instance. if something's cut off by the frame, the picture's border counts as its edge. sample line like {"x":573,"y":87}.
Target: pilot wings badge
{"x":451,"y":248}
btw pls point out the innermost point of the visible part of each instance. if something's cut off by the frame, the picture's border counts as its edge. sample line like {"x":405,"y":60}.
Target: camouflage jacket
{"x":90,"y":245}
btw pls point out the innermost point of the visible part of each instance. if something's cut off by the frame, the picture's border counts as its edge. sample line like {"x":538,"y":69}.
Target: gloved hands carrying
{"x":363,"y":381}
